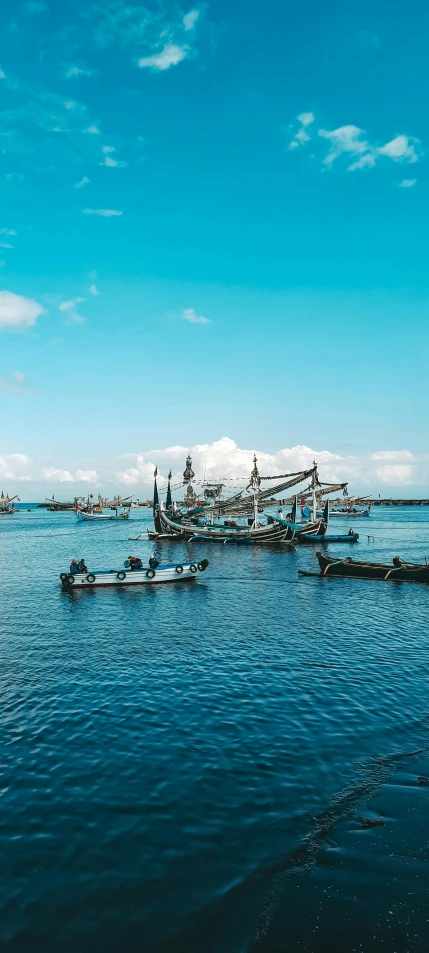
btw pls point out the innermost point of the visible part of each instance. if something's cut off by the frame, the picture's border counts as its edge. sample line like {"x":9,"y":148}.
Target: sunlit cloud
{"x":188,"y":314}
{"x":104,"y":212}
{"x":351,"y":142}
{"x":171,"y":55}
{"x":190,"y":19}
{"x":17,"y":312}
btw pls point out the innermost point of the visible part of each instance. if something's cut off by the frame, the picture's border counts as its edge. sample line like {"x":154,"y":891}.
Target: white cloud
{"x":73,"y":71}
{"x":171,"y":55}
{"x":188,"y":314}
{"x":2,"y":74}
{"x":5,"y":245}
{"x":60,"y":476}
{"x":93,"y":290}
{"x":393,"y":455}
{"x":104,"y":212}
{"x":302,"y":135}
{"x":112,"y":163}
{"x":407,"y":183}
{"x":7,"y":231}
{"x":190,"y":19}
{"x":86,"y":476}
{"x":223,"y":460}
{"x":345,"y":139}
{"x":68,"y":305}
{"x":395,"y":475}
{"x":108,"y":149}
{"x":15,"y":383}
{"x":351,"y":141}
{"x":93,"y":130}
{"x":84,"y":181}
{"x":14,"y":466}
{"x":400,"y":149}
{"x":18,"y":312}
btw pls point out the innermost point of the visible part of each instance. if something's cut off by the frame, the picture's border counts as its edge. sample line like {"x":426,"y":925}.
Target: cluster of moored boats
{"x":254,"y":514}
{"x":259,"y":513}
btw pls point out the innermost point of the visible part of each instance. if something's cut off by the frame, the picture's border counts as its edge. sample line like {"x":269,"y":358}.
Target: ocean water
{"x":193,"y":768}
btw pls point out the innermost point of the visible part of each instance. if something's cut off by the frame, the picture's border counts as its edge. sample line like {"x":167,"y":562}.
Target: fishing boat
{"x":323,"y":536}
{"x":182,"y":572}
{"x":55,"y":506}
{"x":7,"y":504}
{"x":353,"y":507}
{"x":94,"y":516}
{"x":100,"y":517}
{"x":399,"y":570}
{"x":198,"y":522}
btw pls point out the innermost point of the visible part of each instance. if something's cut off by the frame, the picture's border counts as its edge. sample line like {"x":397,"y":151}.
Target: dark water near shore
{"x":185,"y":769}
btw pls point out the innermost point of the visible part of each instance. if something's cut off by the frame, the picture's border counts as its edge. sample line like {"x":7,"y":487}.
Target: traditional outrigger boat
{"x":55,"y":506}
{"x":100,"y":517}
{"x":356,"y":507}
{"x":399,"y":570}
{"x":197,"y":522}
{"x":186,"y":572}
{"x":7,"y":504}
{"x":93,"y":515}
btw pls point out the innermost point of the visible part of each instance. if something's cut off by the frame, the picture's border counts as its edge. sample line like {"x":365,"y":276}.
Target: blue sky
{"x":213,"y":222}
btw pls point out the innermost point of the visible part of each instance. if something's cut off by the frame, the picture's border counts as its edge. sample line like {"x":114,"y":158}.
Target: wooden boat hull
{"x":330,"y":538}
{"x":143,"y":577}
{"x":273,"y":532}
{"x":406,"y":572}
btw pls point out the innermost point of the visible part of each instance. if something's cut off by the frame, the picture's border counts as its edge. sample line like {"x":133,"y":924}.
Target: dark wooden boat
{"x":399,"y":570}
{"x":169,"y":524}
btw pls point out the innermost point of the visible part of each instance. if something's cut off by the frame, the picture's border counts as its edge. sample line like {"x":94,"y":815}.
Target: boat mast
{"x":255,"y":482}
{"x":313,"y":487}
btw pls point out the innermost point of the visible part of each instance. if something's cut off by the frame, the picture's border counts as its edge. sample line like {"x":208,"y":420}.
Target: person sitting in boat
{"x":82,"y":566}
{"x":74,"y":567}
{"x":135,"y":563}
{"x":153,"y":561}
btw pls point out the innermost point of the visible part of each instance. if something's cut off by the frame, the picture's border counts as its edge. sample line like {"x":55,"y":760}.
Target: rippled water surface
{"x":185,"y":768}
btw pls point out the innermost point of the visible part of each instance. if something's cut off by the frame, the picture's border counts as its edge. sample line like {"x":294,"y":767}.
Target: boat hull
{"x":109,"y":577}
{"x":328,"y":538}
{"x":362,"y":570}
{"x":273,"y":532}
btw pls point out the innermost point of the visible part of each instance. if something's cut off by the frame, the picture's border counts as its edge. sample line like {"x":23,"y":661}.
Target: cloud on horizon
{"x":386,"y":471}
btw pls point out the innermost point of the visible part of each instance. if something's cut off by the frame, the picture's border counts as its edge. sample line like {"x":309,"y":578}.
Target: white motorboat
{"x":185,"y":572}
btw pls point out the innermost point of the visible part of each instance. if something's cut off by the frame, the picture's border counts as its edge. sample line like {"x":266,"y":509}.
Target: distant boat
{"x":92,"y":515}
{"x":7,"y":506}
{"x":100,"y":517}
{"x":351,"y":507}
{"x":56,"y":505}
{"x":128,"y":577}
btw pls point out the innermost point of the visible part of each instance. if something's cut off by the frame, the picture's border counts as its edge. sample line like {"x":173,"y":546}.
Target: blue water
{"x":175,"y":761}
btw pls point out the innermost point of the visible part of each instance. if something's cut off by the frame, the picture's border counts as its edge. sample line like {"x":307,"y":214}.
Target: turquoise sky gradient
{"x":203,"y":261}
